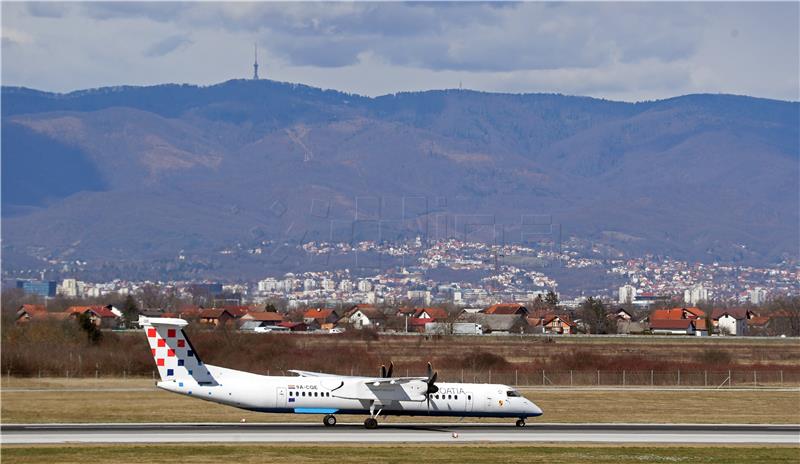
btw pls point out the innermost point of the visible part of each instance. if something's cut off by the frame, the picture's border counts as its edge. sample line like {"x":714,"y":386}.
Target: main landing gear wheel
{"x":371,"y":423}
{"x":329,"y":420}
{"x":520,"y":422}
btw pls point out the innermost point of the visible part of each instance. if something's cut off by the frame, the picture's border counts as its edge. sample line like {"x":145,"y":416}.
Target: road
{"x":388,"y":433}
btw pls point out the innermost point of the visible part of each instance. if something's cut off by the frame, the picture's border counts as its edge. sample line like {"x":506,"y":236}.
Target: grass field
{"x":113,"y":400}
{"x":408,"y":453}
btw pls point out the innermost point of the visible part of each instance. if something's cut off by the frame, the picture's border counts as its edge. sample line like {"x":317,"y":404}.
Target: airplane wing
{"x":316,"y":374}
{"x":383,"y":390}
{"x":380,"y":389}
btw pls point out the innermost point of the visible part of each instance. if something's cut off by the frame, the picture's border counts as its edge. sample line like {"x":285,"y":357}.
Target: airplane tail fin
{"x":175,"y":357}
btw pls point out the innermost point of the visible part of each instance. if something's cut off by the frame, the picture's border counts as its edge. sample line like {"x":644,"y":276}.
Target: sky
{"x":628,"y":51}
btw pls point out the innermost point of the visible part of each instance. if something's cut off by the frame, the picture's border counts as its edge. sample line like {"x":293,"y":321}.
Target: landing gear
{"x":520,"y":422}
{"x":371,"y":423}
{"x":329,"y":420}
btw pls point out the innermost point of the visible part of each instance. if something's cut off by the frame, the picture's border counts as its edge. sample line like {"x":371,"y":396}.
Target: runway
{"x":393,"y":433}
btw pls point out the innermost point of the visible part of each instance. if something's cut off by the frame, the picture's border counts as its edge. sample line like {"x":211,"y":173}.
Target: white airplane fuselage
{"x":318,"y":395}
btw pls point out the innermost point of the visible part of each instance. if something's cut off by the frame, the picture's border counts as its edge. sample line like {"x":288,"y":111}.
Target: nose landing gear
{"x":329,"y":420}
{"x":520,"y":422}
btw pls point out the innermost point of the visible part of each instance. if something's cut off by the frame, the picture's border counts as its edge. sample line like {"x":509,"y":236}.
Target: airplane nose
{"x":534,"y":410}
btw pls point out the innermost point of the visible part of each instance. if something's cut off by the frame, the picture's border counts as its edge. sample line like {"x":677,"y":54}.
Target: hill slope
{"x":140,"y":173}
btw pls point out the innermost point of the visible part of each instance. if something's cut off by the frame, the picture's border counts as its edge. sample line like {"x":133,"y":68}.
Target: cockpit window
{"x":512,"y":393}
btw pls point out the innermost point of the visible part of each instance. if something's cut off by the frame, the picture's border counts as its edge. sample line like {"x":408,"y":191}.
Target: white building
{"x":346,"y":286}
{"x":328,"y":285}
{"x":287,"y":285}
{"x":627,"y":293}
{"x":68,"y":288}
{"x":695,"y":294}
{"x":309,"y":285}
{"x":267,"y":285}
{"x":419,"y":295}
{"x":364,"y":286}
{"x":757,"y":295}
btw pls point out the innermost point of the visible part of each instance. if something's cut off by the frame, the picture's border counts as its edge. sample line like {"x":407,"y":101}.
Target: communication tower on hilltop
{"x":255,"y":63}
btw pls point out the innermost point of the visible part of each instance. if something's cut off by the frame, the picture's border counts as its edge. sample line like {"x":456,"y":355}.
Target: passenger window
{"x":315,"y":394}
{"x":304,"y":393}
{"x":469,"y":397}
{"x":455,"y":397}
{"x":449,"y":397}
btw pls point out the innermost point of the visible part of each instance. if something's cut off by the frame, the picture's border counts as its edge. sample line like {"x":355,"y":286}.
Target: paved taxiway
{"x":389,"y":432}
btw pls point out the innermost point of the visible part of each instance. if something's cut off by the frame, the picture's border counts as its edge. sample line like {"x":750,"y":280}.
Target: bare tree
{"x":785,"y":314}
{"x":593,"y":313}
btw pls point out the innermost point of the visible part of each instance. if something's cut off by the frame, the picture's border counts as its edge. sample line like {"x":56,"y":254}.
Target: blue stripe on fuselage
{"x":315,"y":410}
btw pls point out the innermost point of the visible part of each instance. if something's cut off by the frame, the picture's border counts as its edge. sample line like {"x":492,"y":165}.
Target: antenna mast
{"x":255,"y":63}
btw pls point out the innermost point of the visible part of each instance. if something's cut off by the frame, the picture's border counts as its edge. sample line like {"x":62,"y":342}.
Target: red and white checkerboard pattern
{"x":174,"y":355}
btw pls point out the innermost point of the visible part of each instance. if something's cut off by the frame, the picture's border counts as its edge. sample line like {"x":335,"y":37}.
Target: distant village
{"x":543,"y":316}
{"x":514,"y":292}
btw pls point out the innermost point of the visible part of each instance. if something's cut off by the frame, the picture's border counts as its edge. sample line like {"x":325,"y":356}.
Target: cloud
{"x":48,"y":9}
{"x":168,"y":45}
{"x":156,"y":11}
{"x":618,"y":50}
{"x":477,"y":37}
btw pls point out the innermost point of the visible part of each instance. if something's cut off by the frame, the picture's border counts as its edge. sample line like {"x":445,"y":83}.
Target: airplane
{"x":182,"y":372}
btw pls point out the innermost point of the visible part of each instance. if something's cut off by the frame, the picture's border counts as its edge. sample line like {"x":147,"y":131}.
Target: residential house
{"x":237,"y":311}
{"x":255,"y":319}
{"x":701,"y":327}
{"x":498,"y":323}
{"x":433,"y":314}
{"x":30,"y":312}
{"x":506,"y":308}
{"x":731,"y":321}
{"x":101,"y":316}
{"x":622,"y":315}
{"x":552,"y":324}
{"x":27,"y":312}
{"x":215,"y":317}
{"x":677,"y":313}
{"x":324,"y":318}
{"x":758,"y":325}
{"x":674,"y":326}
{"x":416,"y":318}
{"x":190,"y":312}
{"x":295,"y":326}
{"x":363,"y":316}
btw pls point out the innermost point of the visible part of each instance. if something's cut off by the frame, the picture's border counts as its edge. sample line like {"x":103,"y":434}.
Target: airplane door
{"x":280,"y":397}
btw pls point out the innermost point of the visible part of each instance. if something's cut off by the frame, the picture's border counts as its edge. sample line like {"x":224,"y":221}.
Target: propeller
{"x":432,"y":388}
{"x":387,"y":374}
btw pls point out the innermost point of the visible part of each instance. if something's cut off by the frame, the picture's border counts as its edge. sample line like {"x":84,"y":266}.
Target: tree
{"x":129,"y":309}
{"x":785,"y":313}
{"x":551,"y":299}
{"x":593,"y":313}
{"x":93,"y":333}
{"x":537,"y":304}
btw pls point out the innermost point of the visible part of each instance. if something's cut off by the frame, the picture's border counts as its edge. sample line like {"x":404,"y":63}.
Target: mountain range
{"x":139,"y":174}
